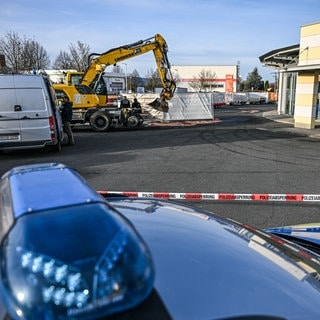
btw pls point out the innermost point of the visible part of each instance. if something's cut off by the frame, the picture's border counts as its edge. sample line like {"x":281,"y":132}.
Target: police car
{"x":67,"y":252}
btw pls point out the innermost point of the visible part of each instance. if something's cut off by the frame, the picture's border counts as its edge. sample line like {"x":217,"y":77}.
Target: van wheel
{"x":100,"y":122}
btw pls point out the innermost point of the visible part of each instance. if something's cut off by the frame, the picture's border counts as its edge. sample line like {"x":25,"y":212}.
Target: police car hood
{"x":209,"y":267}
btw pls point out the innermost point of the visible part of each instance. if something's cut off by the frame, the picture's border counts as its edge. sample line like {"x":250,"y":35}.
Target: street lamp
{"x":126,"y":77}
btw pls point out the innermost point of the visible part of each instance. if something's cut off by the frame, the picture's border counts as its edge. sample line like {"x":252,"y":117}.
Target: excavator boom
{"x":157,"y":44}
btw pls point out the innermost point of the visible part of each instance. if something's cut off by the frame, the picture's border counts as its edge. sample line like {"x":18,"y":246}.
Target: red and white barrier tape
{"x":285,"y":197}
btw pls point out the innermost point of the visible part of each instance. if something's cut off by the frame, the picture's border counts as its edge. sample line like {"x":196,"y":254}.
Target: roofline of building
{"x":273,"y":53}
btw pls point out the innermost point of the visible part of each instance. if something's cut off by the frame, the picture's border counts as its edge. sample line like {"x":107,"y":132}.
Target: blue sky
{"x":198,"y":32}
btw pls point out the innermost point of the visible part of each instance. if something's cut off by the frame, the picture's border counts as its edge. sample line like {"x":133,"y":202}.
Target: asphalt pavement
{"x":288,"y":124}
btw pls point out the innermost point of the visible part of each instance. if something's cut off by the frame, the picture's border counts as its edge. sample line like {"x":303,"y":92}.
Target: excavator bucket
{"x":160,"y":105}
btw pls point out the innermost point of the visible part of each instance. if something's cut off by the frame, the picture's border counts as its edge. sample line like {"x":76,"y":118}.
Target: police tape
{"x":196,"y":196}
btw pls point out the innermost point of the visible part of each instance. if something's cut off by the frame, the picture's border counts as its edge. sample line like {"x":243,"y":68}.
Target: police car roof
{"x":64,"y":185}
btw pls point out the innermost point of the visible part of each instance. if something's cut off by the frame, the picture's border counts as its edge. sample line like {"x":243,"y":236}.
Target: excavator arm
{"x":157,"y":44}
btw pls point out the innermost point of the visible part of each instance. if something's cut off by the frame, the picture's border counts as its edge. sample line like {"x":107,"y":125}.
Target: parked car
{"x":69,"y":253}
{"x":28,"y":114}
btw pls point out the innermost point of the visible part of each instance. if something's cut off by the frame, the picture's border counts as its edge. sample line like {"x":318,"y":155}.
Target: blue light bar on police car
{"x":68,"y":257}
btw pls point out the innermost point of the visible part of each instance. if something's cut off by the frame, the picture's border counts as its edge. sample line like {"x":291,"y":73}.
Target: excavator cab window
{"x":83,"y":89}
{"x":76,"y":78}
{"x":98,"y":85}
{"x":60,"y":94}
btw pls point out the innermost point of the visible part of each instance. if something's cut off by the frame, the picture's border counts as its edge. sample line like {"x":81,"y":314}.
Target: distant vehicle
{"x":68,"y":253}
{"x":242,"y":98}
{"x":28,"y":114}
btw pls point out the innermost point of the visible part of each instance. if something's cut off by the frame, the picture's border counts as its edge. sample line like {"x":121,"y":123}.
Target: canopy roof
{"x":281,"y":58}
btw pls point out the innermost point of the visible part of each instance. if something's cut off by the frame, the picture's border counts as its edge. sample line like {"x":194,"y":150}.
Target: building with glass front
{"x":298,"y":75}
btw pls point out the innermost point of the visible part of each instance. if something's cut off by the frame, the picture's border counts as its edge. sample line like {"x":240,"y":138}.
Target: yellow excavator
{"x":90,"y":96}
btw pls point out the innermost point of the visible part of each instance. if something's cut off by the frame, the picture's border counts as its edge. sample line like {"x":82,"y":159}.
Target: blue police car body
{"x":200,"y":265}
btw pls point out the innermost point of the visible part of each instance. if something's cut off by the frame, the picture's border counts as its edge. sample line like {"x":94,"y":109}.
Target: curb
{"x":274,"y":116}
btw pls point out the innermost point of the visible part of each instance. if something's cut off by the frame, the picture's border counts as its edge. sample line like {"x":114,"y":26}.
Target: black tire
{"x":100,"y":122}
{"x":132,"y":122}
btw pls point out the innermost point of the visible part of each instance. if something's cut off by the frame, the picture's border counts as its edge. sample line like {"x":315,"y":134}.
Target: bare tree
{"x":34,"y":55}
{"x":153,"y":80}
{"x":63,"y":61}
{"x":80,"y":53}
{"x":134,"y":80}
{"x":23,"y":54}
{"x":11,"y":46}
{"x":204,"y":81}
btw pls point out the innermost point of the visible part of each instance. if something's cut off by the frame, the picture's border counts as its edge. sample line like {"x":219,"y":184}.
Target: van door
{"x":9,"y":119}
{"x":33,"y":114}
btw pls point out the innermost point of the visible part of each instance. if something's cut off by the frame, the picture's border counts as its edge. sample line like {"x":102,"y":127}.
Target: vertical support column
{"x":292,"y":77}
{"x":282,"y":92}
{"x":306,"y":98}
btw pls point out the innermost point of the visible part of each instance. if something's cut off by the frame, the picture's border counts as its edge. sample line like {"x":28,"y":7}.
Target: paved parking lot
{"x":242,"y":153}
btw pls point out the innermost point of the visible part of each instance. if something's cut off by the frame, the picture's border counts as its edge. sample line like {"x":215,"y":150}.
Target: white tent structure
{"x":183,"y":106}
{"x":190,"y":106}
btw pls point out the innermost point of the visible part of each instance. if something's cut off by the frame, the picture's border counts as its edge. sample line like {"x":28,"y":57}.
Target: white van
{"x":28,"y":114}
